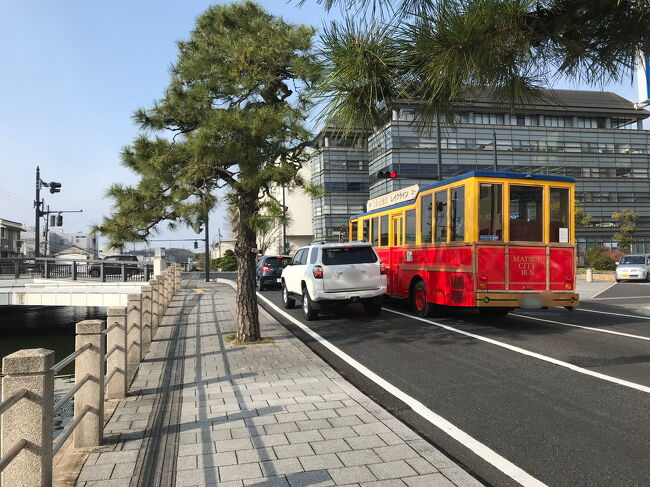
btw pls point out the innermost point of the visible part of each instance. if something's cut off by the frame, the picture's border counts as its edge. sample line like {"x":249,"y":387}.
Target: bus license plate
{"x":530,"y":302}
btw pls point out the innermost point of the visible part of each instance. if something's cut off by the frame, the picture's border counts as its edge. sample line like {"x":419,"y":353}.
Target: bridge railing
{"x":106,"y":353}
{"x":102,"y":270}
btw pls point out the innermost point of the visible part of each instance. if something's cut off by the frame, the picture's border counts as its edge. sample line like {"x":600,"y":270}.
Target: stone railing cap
{"x":27,"y":361}
{"x":153,"y":281}
{"x":133,"y":297}
{"x":145,"y":289}
{"x":116,"y":311}
{"x":90,"y":327}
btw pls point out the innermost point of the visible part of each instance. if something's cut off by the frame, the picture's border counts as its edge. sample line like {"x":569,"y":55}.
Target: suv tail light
{"x":382,"y":268}
{"x":318,"y":272}
{"x":266,"y":268}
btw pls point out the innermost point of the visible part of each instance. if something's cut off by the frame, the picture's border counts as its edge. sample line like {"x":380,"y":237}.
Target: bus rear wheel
{"x":421,"y":307}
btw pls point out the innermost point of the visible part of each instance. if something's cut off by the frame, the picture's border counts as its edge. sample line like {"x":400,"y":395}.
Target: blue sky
{"x":72,"y":74}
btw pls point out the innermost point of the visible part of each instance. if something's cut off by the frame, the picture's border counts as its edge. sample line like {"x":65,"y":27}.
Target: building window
{"x":490,"y":212}
{"x":524,"y":120}
{"x":488,"y":118}
{"x":554,"y":121}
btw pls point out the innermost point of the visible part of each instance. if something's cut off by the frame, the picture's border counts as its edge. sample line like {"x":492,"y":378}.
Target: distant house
{"x":10,"y":243}
{"x":74,"y":253}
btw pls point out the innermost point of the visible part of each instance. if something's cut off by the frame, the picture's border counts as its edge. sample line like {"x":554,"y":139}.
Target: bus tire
{"x":421,"y":307}
{"x":287,"y":300}
{"x":494,"y":312}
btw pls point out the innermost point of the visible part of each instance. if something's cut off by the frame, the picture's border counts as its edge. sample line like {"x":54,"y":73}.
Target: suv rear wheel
{"x":308,"y":310}
{"x":287,"y":300}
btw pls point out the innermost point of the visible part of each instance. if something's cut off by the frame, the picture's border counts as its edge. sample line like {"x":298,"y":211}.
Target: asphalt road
{"x":525,"y":393}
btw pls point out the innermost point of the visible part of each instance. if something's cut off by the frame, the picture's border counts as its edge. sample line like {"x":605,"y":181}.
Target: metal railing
{"x":27,"y":408}
{"x":101,"y":270}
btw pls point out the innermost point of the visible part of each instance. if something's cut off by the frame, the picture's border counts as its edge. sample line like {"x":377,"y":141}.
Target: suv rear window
{"x":349,"y":255}
{"x":277,"y":262}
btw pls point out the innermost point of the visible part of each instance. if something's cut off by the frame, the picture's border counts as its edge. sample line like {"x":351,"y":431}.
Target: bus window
{"x":559,"y":231}
{"x":490,"y":212}
{"x":526,"y":213}
{"x":458,"y":214}
{"x":409,"y":224}
{"x":425,"y":219}
{"x":384,"y":230}
{"x":441,"y":216}
{"x":352,"y":232}
{"x":375,"y":231}
{"x":366,"y":231}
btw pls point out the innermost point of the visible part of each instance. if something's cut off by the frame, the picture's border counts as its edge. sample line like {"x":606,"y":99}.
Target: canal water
{"x":51,"y":327}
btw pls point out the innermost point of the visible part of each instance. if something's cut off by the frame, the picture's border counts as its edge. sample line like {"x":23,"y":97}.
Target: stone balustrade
{"x":105,"y":352}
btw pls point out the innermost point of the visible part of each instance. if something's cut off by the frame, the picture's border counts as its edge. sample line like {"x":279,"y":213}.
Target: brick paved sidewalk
{"x":201,"y":412}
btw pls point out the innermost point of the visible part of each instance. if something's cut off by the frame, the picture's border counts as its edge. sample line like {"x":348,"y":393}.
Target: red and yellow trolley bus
{"x":491,"y":240}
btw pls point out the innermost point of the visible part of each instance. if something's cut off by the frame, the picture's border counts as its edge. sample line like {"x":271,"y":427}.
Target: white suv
{"x":325,"y":273}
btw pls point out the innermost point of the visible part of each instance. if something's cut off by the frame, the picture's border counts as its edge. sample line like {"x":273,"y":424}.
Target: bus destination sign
{"x":399,"y":196}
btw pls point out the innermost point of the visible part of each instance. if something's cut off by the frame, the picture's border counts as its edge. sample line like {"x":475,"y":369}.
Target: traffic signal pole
{"x":207,"y":249}
{"x":37,"y":219}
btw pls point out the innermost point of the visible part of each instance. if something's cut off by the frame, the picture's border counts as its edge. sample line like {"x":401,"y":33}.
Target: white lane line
{"x":622,"y":297}
{"x":613,"y":314}
{"x":538,"y":356}
{"x":611,"y":332}
{"x":486,"y":453}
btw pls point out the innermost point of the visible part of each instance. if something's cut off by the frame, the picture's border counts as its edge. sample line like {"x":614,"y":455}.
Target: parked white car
{"x":323,"y":273}
{"x":633,"y":267}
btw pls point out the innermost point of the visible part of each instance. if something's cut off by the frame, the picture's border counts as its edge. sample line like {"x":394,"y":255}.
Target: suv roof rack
{"x":319,"y":242}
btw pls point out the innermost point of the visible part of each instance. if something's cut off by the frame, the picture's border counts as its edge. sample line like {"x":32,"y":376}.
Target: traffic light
{"x":52,"y":220}
{"x":55,"y":187}
{"x":386,"y":175}
{"x":196,"y":244}
{"x":59,"y":220}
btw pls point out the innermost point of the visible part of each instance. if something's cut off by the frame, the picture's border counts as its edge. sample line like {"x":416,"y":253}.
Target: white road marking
{"x":601,"y":292}
{"x":622,"y":297}
{"x":483,"y":451}
{"x":611,"y":332}
{"x":614,"y":314}
{"x":536,"y":355}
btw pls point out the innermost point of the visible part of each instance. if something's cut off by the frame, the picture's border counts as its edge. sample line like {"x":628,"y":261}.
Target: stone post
{"x":146,"y":318}
{"x":168,"y":289}
{"x":134,"y":329}
{"x":155,"y":315}
{"x":178,"y":277}
{"x":30,"y":418}
{"x":117,"y":386}
{"x":159,"y":261}
{"x":89,"y":431}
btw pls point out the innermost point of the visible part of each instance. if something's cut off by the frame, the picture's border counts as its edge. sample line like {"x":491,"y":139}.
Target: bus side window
{"x":384,"y":230}
{"x":490,"y":212}
{"x":425,"y":219}
{"x":375,"y":231}
{"x":441,"y":216}
{"x":409,"y":225}
{"x":559,"y":222}
{"x":458,"y":214}
{"x":366,"y":231}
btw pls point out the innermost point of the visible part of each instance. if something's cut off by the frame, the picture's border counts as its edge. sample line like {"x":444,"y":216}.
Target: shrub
{"x":228,"y":262}
{"x":599,"y":258}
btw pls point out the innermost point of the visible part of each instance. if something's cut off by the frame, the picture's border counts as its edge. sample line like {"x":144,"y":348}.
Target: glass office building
{"x":595,"y":137}
{"x":340,"y":168}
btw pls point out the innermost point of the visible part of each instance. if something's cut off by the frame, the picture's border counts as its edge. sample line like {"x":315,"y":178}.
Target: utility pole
{"x":494,"y":142}
{"x":207,"y":248}
{"x":37,"y":219}
{"x":284,"y":224}
{"x":46,"y":232}
{"x":439,"y":147}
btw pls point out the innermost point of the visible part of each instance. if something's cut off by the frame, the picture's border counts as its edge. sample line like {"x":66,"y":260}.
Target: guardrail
{"x":102,"y":270}
{"x":27,"y":408}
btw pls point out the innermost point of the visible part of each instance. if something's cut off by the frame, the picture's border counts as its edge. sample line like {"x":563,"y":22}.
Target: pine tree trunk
{"x":248,"y":325}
